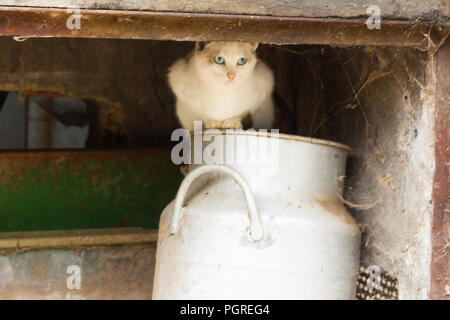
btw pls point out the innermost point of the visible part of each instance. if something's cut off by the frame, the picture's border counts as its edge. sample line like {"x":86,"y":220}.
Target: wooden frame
{"x":51,"y":22}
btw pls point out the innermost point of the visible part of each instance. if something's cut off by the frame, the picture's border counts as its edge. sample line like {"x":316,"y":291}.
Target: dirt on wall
{"x":380,"y":101}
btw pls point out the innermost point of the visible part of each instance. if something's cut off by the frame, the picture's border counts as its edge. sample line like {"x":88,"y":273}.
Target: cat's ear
{"x":254,"y":46}
{"x":200,"y":45}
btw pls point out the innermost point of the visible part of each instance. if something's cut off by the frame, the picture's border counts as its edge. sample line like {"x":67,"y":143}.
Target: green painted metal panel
{"x":85,"y":189}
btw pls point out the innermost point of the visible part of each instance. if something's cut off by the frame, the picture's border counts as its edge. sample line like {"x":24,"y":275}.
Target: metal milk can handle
{"x":256,"y":226}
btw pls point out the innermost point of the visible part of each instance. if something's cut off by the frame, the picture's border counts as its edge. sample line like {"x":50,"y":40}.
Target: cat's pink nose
{"x":230,"y":75}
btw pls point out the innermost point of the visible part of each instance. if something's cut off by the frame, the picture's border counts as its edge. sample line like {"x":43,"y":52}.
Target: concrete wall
{"x":387,"y":116}
{"x":121,"y":272}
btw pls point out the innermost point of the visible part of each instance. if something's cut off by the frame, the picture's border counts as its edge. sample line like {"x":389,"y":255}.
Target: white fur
{"x":204,"y":93}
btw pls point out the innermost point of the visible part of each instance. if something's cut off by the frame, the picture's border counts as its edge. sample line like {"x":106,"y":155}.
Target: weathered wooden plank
{"x":440,"y":264}
{"x":42,"y":22}
{"x":75,"y":238}
{"x":431,"y":10}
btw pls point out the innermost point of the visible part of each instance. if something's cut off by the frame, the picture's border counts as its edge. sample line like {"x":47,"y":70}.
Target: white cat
{"x":220,"y":83}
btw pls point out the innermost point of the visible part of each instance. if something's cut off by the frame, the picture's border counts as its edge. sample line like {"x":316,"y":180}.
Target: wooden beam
{"x":75,"y":238}
{"x":51,"y":22}
{"x":440,"y":237}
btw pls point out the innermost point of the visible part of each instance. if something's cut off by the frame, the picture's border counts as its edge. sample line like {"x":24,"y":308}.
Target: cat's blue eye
{"x":219,"y":60}
{"x":242,"y":61}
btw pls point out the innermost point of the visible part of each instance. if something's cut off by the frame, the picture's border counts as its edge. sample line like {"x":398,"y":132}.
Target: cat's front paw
{"x":184,"y":169}
{"x":232,"y":124}
{"x":213,"y":124}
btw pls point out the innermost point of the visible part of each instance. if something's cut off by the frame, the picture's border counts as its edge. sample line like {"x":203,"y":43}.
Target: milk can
{"x":270,"y":226}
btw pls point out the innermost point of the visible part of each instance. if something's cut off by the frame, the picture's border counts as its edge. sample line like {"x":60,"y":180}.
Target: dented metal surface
{"x":254,"y":219}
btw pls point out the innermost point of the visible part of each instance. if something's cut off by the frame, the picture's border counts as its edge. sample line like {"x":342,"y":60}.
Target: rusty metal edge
{"x":282,"y":136}
{"x":440,"y":257}
{"x":114,"y":24}
{"x":19,"y":241}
